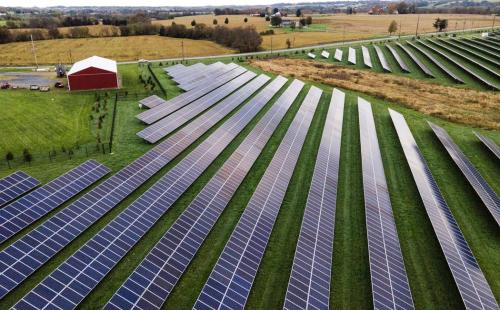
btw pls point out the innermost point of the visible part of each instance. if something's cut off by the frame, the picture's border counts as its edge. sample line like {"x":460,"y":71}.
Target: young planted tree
{"x":309,"y":20}
{"x":214,"y":21}
{"x":226,"y":21}
{"x":288,"y":43}
{"x":393,"y":27}
{"x":440,"y":24}
{"x":193,"y":23}
{"x":9,"y":157}
{"x":245,"y":20}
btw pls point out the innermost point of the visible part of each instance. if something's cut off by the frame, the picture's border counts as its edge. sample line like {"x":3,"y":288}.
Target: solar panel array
{"x":231,"y":279}
{"x":166,"y":262}
{"x":175,"y":69}
{"x":366,"y":57}
{"x":351,"y":57}
{"x":493,"y":45}
{"x":194,"y":74}
{"x":111,"y":244}
{"x":460,"y":65}
{"x":202,"y":79}
{"x":398,"y":58}
{"x":309,"y":284}
{"x":180,"y":101}
{"x":381,"y":58}
{"x":23,"y":212}
{"x":470,"y":280}
{"x":188,"y":70}
{"x":390,"y":288}
{"x":492,"y":146}
{"x":16,"y":185}
{"x":152,"y":101}
{"x":420,"y":64}
{"x":482,"y":44}
{"x":476,"y":180}
{"x":437,"y":63}
{"x":162,"y":128}
{"x":468,"y":50}
{"x":480,"y":48}
{"x":338,"y":54}
{"x":35,"y":248}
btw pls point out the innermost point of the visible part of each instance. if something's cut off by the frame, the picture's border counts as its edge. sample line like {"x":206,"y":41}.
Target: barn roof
{"x":96,"y":62}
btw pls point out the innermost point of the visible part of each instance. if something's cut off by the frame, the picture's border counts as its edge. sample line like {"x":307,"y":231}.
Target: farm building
{"x":93,"y":73}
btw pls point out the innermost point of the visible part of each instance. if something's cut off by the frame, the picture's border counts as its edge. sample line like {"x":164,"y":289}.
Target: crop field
{"x":430,"y":279}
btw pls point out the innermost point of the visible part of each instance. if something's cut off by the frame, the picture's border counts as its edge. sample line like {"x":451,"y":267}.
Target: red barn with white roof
{"x":93,"y":73}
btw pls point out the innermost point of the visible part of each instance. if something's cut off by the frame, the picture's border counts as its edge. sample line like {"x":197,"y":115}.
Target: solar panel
{"x":381,"y":58}
{"x":162,"y":128}
{"x":162,"y":266}
{"x":338,"y":54}
{"x":111,"y":244}
{"x":398,"y":58}
{"x":483,"y":45}
{"x":437,"y":63}
{"x":490,"y":43}
{"x":470,"y":280}
{"x":309,"y":284}
{"x":31,"y":251}
{"x":231,"y":279}
{"x":351,"y":57}
{"x":460,"y":65}
{"x":416,"y":60}
{"x":366,"y":57}
{"x":23,"y":212}
{"x":174,"y":68}
{"x":468,"y":50}
{"x":178,"y":102}
{"x":476,"y":180}
{"x":194,"y":74}
{"x":480,"y":48}
{"x":390,"y":288}
{"x":189,"y":70}
{"x":325,"y":54}
{"x":490,"y":144}
{"x":493,"y":40}
{"x":206,"y":78}
{"x":16,"y":185}
{"x":151,"y":101}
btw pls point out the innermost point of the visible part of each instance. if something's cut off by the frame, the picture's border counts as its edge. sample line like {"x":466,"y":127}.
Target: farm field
{"x":429,"y":277}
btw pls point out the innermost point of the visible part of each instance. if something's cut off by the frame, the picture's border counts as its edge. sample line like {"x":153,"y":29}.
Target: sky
{"x":46,"y":3}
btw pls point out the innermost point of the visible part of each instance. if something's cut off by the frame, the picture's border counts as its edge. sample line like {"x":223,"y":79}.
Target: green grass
{"x":430,"y":279}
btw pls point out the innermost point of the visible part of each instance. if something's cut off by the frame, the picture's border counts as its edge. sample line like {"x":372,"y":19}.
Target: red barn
{"x":93,"y":73}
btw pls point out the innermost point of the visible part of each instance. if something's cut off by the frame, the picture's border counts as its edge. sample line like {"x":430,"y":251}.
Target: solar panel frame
{"x":172,"y":105}
{"x":197,"y":220}
{"x":189,"y":70}
{"x":490,"y":144}
{"x":186,"y":78}
{"x":366,"y":57}
{"x":230,"y":279}
{"x":490,"y":43}
{"x":482,"y":44}
{"x":381,"y":58}
{"x":15,"y":185}
{"x":390,"y":288}
{"x":206,"y":78}
{"x":167,"y":125}
{"x":23,"y":212}
{"x":476,"y":54}
{"x":402,"y":64}
{"x":338,"y":54}
{"x":313,"y":259}
{"x":469,"y":278}
{"x":152,"y":101}
{"x":351,"y":57}
{"x":174,"y":68}
{"x":415,"y":59}
{"x":471,"y":44}
{"x":476,"y":180}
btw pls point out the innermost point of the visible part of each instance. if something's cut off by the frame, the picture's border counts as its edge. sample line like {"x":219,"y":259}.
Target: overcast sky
{"x":46,"y":3}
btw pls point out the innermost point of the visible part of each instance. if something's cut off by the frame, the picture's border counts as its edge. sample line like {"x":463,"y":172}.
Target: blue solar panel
{"x":476,"y":180}
{"x":398,"y":58}
{"x":420,"y":64}
{"x":470,"y":280}
{"x":23,"y":212}
{"x":162,"y":266}
{"x":206,"y":77}
{"x":152,"y":101}
{"x":309,"y":284}
{"x":38,"y":246}
{"x":390,"y":288}
{"x":490,"y":144}
{"x":111,"y":244}
{"x":16,"y":185}
{"x":231,"y":279}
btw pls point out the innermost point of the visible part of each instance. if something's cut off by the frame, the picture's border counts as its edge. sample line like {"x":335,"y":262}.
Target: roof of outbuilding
{"x":96,"y":62}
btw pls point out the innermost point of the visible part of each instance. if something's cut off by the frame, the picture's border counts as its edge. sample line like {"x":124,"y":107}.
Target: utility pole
{"x":182,"y":47}
{"x":465,"y":20}
{"x":400,"y":25}
{"x":418,"y":21}
{"x":343,"y":34}
{"x":34,"y":51}
{"x":271,"y":45}
{"x":493,"y":26}
{"x":70,"y":57}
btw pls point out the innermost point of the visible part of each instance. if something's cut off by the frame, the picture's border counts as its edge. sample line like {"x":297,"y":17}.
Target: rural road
{"x":268,"y":52}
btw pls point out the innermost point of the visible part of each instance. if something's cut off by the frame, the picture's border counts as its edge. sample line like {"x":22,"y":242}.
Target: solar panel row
{"x":490,"y":43}
{"x":398,"y":58}
{"x":351,"y":57}
{"x":478,"y":47}
{"x":189,"y":70}
{"x":470,"y":280}
{"x":492,"y":146}
{"x":390,"y":288}
{"x":16,"y":185}
{"x":166,"y":262}
{"x":152,"y":101}
{"x":207,"y":77}
{"x":460,"y":65}
{"x":381,"y":58}
{"x":193,"y":74}
{"x":415,"y":59}
{"x":231,"y":279}
{"x":175,"y":68}
{"x":23,"y":212}
{"x":178,"y":102}
{"x":366,"y":57}
{"x":309,"y":284}
{"x":483,"y":45}
{"x":338,"y":54}
{"x":34,"y":249}
{"x":162,"y":128}
{"x":437,"y":63}
{"x":476,"y":180}
{"x":75,"y":278}
{"x":471,"y":51}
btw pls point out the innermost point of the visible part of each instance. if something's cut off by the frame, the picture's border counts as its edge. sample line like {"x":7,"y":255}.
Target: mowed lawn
{"x":43,"y":121}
